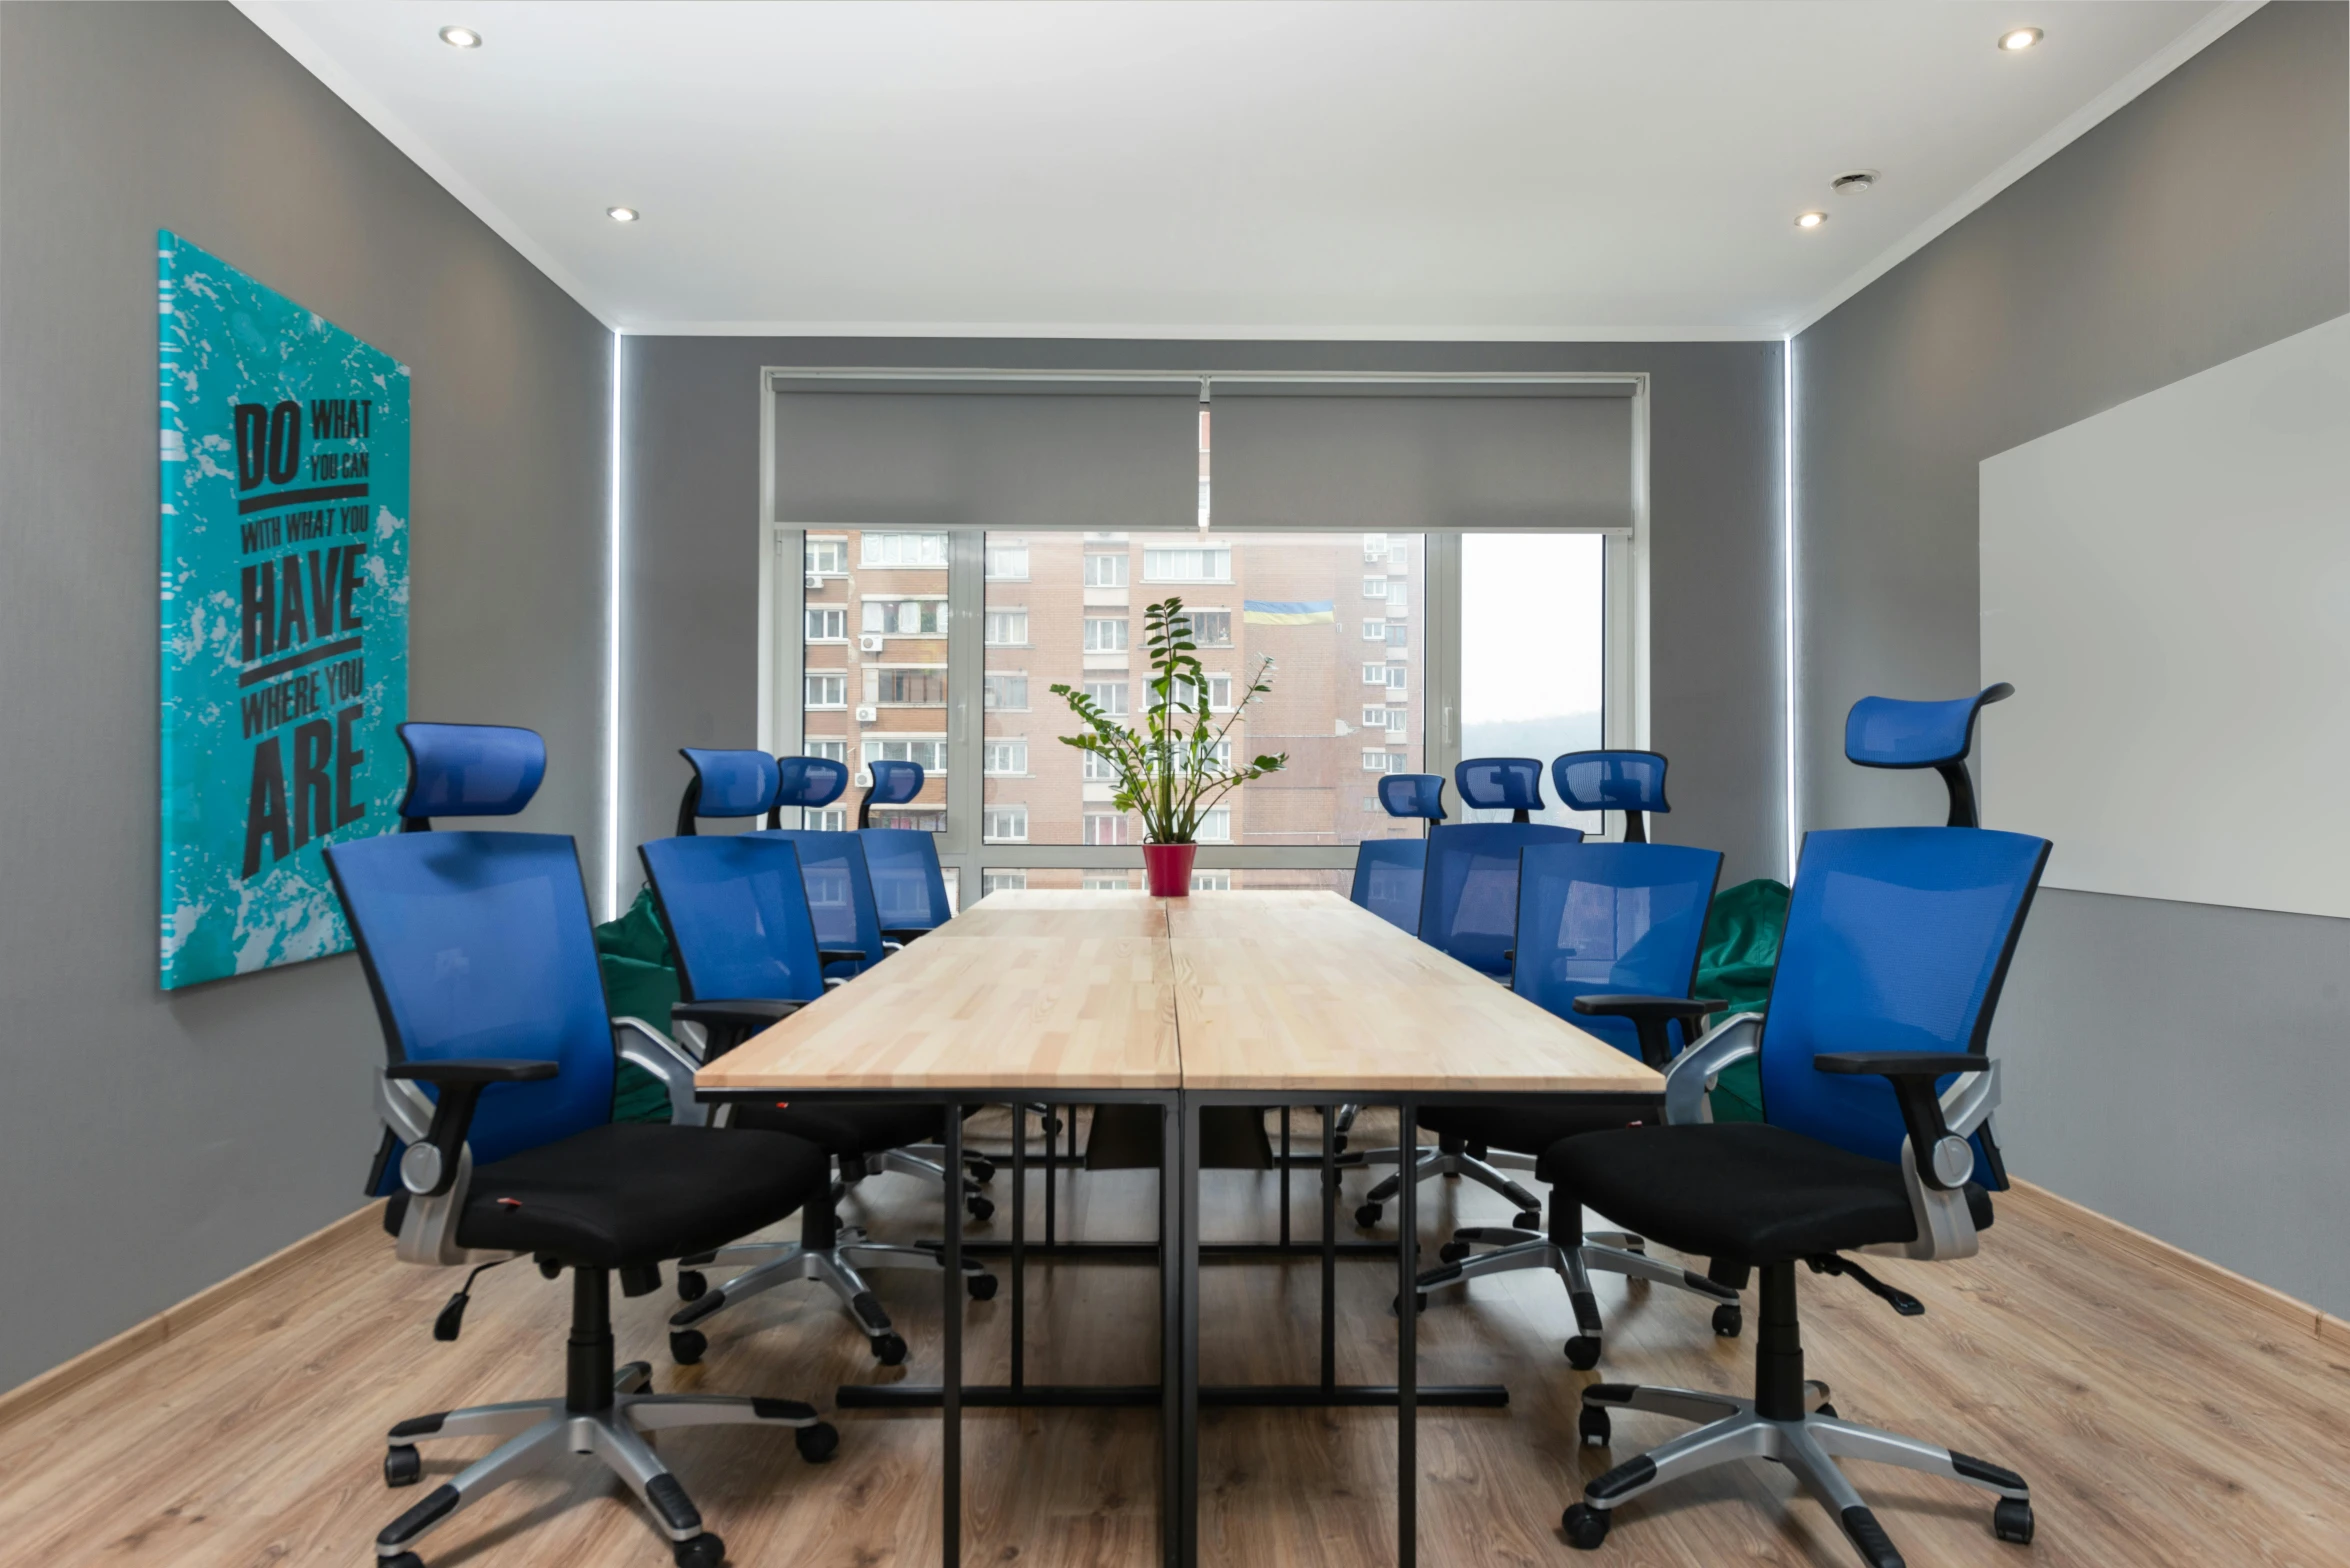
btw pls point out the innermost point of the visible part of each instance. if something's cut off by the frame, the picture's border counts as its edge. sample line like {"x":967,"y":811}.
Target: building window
{"x":1220,"y":753}
{"x":928,"y":750}
{"x":1374,"y":631}
{"x":827,"y":689}
{"x":1097,"y":769}
{"x":1007,"y":628}
{"x":1396,"y":718}
{"x":1211,"y":628}
{"x":1398,"y":633}
{"x":912,"y":819}
{"x":1398,"y":603}
{"x":1007,"y":560}
{"x":1215,"y":826}
{"x":1375,"y":587}
{"x":1380,"y":761}
{"x":1007,"y":759}
{"x":907,"y":685}
{"x":906,"y":617}
{"x":1107,"y":882}
{"x":830,"y":750}
{"x":903,"y":550}
{"x":1375,"y":674}
{"x":1211,"y":881}
{"x":832,"y":819}
{"x":827,"y":557}
{"x":1374,"y":718}
{"x":1399,"y":677}
{"x":1105,"y":571}
{"x":828,"y":623}
{"x":1111,"y":695}
{"x":1204,"y":564}
{"x":1005,"y":825}
{"x":1103,"y":827}
{"x":1105,"y":635}
{"x":1002,"y":882}
{"x":1005,"y":691}
{"x":1219,"y":693}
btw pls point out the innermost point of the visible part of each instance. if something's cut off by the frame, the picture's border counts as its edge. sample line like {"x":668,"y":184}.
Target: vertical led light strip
{"x":1787,"y":578}
{"x":612,"y":658}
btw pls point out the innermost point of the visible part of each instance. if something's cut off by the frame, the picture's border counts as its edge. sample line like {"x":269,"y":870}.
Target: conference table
{"x":1264,"y":998}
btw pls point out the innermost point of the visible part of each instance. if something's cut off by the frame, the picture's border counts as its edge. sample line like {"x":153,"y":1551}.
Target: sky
{"x":1530,"y":625}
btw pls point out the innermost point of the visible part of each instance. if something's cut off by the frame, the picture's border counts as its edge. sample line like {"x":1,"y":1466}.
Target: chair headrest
{"x":1413,"y":795}
{"x":1887,"y":732}
{"x":470,"y":770}
{"x":894,"y":783}
{"x":810,"y":781}
{"x":1500,"y":783}
{"x":733,"y":783}
{"x":1611,"y":780}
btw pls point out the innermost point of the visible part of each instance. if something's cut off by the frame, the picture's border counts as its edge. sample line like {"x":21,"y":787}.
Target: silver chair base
{"x":539,"y":1432}
{"x":1518,"y":1249}
{"x":1437,"y":1162}
{"x":839,"y":1268}
{"x":1808,"y":1447}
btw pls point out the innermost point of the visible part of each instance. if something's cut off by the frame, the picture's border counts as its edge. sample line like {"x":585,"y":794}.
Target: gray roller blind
{"x":1010,"y":455}
{"x":1405,"y":459}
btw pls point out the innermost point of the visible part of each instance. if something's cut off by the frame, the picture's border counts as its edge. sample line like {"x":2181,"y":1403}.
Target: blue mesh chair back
{"x":840,"y":892}
{"x":726,"y":784}
{"x":806,"y":781}
{"x":1469,"y":892}
{"x":1898,"y":939}
{"x":1512,"y":784}
{"x":469,"y":770}
{"x":1387,"y":879}
{"x":738,"y":913}
{"x":909,"y":886}
{"x":1632,"y":782}
{"x":894,"y":783}
{"x":1413,"y":795}
{"x":1888,"y":732}
{"x":1600,"y":919}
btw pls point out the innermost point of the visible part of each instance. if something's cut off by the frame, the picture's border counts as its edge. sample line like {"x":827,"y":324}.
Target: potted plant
{"x":1173,"y":768}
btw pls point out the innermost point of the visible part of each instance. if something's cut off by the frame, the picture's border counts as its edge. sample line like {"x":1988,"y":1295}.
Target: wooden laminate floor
{"x":2159,"y":1420}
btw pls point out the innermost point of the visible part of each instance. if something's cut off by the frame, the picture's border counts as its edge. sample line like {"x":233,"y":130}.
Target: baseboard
{"x":2287,"y":1310}
{"x":175,"y":1320}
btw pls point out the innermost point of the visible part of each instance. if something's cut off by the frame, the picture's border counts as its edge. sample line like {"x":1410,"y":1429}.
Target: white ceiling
{"x":1276,"y":168}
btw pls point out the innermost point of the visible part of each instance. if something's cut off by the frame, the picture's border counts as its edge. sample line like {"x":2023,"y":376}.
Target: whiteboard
{"x":2168,"y":586}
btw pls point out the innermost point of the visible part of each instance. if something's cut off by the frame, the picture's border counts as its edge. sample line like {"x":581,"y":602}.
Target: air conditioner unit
{"x":868,"y":715}
{"x":864,"y":778}
{"x":812,"y":580}
{"x":870,"y":642}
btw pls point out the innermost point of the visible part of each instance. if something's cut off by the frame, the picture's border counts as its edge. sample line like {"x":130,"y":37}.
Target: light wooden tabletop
{"x":1276,"y":989}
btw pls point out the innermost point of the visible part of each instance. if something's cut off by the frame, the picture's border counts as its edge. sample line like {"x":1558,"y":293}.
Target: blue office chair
{"x":1511,"y":784}
{"x":726,"y":784}
{"x":1632,"y":782}
{"x":1878,"y":1092}
{"x":1888,"y":732}
{"x":832,"y":863}
{"x":909,"y":886}
{"x":894,"y":784}
{"x":1388,"y":870}
{"x":1607,"y":935}
{"x":497,"y":1094}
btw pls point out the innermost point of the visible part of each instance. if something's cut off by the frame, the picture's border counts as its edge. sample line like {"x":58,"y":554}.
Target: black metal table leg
{"x":1407,"y":1321}
{"x":1329,"y":1247}
{"x":1175,"y":1526}
{"x":1285,"y":1175}
{"x":1019,"y":1243}
{"x":951,"y":1371}
{"x":1051,"y":1164}
{"x":1187,"y":1434}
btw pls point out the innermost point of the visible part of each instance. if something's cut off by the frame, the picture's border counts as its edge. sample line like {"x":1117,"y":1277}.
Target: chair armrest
{"x":1649,"y":1016}
{"x":843,"y":955}
{"x":904,"y":934}
{"x":729,"y":1021}
{"x":1734,"y":1039}
{"x":1943,"y":1158}
{"x":428,"y":1167}
{"x":634,"y":1040}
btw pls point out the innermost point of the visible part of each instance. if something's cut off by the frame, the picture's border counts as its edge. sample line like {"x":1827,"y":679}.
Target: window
{"x":1375,"y":674}
{"x":1211,"y":881}
{"x":832,"y":750}
{"x":1397,"y":633}
{"x":1004,"y":691}
{"x":1220,"y":752}
{"x":1104,"y":828}
{"x":1110,"y":694}
{"x":1398,"y":602}
{"x":1107,"y":882}
{"x":1399,"y":677}
{"x":1374,"y":549}
{"x":828,"y":623}
{"x":1396,"y":719}
{"x":1105,"y":636}
{"x":832,"y":819}
{"x":1205,"y":564}
{"x":1007,"y":759}
{"x":1003,"y":824}
{"x":903,"y":550}
{"x":1007,"y":628}
{"x":1374,"y":718}
{"x":1215,"y":826}
{"x":1007,"y":560}
{"x":1211,"y":628}
{"x":1105,"y":571}
{"x":1219,"y":693}
{"x":914,"y":819}
{"x":1374,"y":631}
{"x":906,"y":617}
{"x":1375,"y":587}
{"x":1380,"y":761}
{"x":1002,"y":882}
{"x":827,"y":689}
{"x":1096,"y":769}
{"x":827,"y":557}
{"x":929,"y":750}
{"x":1532,"y":652}
{"x":906,"y":685}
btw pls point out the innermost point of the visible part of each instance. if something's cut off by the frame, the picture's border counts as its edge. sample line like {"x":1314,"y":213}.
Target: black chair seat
{"x":1742,"y":1192}
{"x":1522,"y":1129}
{"x":847,"y":1127}
{"x":633,"y":1193}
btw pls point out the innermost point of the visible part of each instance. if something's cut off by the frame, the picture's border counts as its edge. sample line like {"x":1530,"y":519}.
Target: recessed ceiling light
{"x":1854,"y":183}
{"x":2020,"y":38}
{"x":621,"y":214}
{"x":460,"y":38}
{"x":1811,"y":220}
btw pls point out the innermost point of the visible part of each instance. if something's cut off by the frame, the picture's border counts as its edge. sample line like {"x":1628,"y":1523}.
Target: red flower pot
{"x":1168,"y":868}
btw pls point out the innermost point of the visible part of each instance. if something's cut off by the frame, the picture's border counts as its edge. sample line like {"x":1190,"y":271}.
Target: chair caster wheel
{"x":2012,"y":1521}
{"x":1826,"y":1410}
{"x":1419,"y":1303}
{"x":1338,"y":1144}
{"x":402,"y":1467}
{"x":1728,"y":1319}
{"x":1594,"y":1427}
{"x":980,"y":1171}
{"x":686,"y":1346}
{"x":980,"y":1210}
{"x":1529,"y":1219}
{"x":1052,"y":1125}
{"x":703,"y":1551}
{"x":692,"y":1284}
{"x":1585,"y":1526}
{"x":817,"y":1443}
{"x":1453,"y":1251}
{"x":1583,"y":1353}
{"x":981,"y":1286}
{"x":404,"y":1560}
{"x":889,"y":1349}
{"x":1367,"y":1216}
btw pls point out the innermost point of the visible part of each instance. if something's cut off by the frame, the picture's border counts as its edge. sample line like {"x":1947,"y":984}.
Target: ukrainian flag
{"x":1288,"y":612}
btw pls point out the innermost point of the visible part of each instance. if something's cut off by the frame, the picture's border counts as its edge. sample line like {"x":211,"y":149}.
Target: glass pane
{"x":874,"y":647}
{"x":1348,"y":702}
{"x":1532,"y":645}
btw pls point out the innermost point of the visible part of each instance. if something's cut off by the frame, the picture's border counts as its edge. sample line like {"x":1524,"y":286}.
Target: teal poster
{"x":284,"y":600}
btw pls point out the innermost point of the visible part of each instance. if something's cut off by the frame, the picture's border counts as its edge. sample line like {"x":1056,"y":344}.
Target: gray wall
{"x":691,"y":527}
{"x":151,"y":1145}
{"x":2177,"y":1066}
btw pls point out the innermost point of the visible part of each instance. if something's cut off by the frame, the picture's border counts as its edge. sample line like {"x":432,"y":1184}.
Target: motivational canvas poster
{"x":284,"y":599}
